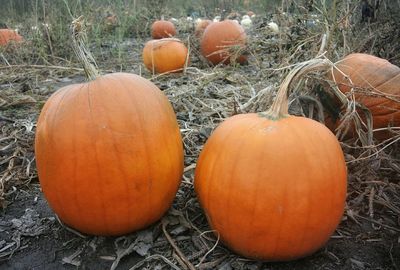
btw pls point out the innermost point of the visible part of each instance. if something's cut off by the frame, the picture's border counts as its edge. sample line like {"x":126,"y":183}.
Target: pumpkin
{"x":272,"y":185}
{"x":7,"y":35}
{"x":273,"y":27}
{"x":165,"y":55}
{"x":250,"y":13}
{"x":111,"y":20}
{"x":200,"y":27}
{"x":376,"y":83}
{"x":233,"y":16}
{"x":222,"y":42}
{"x":109,"y":152}
{"x":162,"y":29}
{"x":246,"y":22}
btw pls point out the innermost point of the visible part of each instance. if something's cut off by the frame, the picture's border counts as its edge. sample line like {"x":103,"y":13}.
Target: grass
{"x":48,"y":45}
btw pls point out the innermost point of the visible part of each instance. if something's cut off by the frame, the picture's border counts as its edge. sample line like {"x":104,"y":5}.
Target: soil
{"x":354,"y":246}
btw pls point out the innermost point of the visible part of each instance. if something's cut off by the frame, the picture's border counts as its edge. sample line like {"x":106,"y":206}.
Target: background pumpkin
{"x":7,"y":35}
{"x":109,"y":152}
{"x":162,"y":29}
{"x":221,"y":42}
{"x":377,"y":87}
{"x":200,"y":27}
{"x":164,"y":55}
{"x":273,"y":186}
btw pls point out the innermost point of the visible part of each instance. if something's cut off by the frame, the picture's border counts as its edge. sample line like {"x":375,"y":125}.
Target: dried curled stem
{"x":279,"y":108}
{"x":79,"y":38}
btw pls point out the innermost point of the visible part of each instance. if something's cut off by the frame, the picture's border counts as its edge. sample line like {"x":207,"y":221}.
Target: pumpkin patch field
{"x":170,"y":134}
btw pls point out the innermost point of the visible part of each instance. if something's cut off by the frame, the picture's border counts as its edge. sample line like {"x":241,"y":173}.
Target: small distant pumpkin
{"x":111,"y":19}
{"x":250,"y":14}
{"x":223,"y":42}
{"x":110,"y":22}
{"x":201,"y":27}
{"x":376,"y":83}
{"x":233,"y":16}
{"x":8,"y":35}
{"x":165,"y":55}
{"x":163,"y":29}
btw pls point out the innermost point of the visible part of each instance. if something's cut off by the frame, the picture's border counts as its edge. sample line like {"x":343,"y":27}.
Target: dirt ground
{"x":45,"y":244}
{"x":31,"y":236}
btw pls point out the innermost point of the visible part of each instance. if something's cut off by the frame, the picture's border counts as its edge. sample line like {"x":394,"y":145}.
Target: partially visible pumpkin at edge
{"x":7,"y":36}
{"x":377,"y":87}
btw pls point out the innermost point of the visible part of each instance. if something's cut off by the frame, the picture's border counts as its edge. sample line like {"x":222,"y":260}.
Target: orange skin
{"x":217,"y":39}
{"x":162,"y":29}
{"x":109,"y":154}
{"x":369,"y":72}
{"x":7,"y":35}
{"x":200,"y":27}
{"x":273,"y":190}
{"x":164,"y":55}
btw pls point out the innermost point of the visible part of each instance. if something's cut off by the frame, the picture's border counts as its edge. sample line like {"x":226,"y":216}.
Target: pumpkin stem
{"x":81,"y":51}
{"x":280,"y":106}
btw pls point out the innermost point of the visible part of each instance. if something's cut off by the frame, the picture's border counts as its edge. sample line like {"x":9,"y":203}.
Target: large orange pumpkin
{"x":165,"y":55}
{"x":377,"y":86}
{"x":273,"y":186}
{"x":200,"y":27}
{"x":162,"y":29}
{"x":224,"y":42}
{"x":7,"y":35}
{"x":109,"y":153}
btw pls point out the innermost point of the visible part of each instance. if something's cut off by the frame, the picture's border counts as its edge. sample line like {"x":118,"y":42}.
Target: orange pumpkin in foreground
{"x":7,"y":35}
{"x":162,"y":29}
{"x":109,"y":153}
{"x":201,"y":27}
{"x":165,"y":55}
{"x":104,"y":161}
{"x":224,"y":42}
{"x":377,"y":84}
{"x":273,"y":186}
